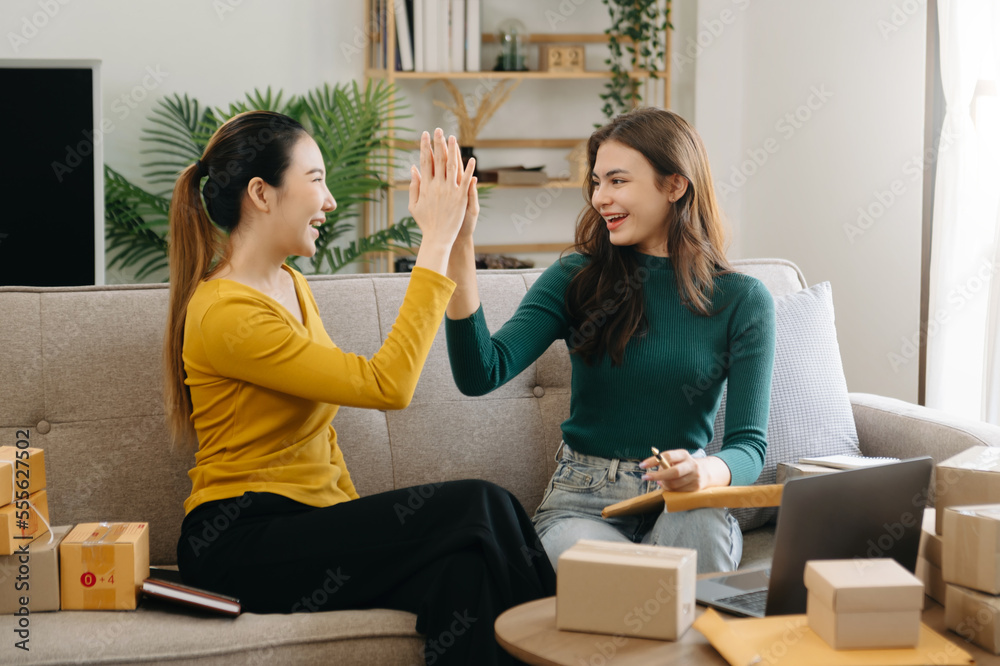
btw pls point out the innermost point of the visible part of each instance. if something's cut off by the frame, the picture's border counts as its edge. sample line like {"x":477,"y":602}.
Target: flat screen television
{"x":51,"y":173}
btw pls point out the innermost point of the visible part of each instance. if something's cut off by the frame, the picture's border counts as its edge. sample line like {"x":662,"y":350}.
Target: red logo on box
{"x":88,"y":579}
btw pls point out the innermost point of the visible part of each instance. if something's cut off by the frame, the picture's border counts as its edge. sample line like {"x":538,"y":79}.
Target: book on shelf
{"x":456,"y":36}
{"x":419,"y":62}
{"x":847,"y":462}
{"x":404,"y":9}
{"x":516,"y":175}
{"x":473,"y":36}
{"x":167,"y":584}
{"x":438,"y":35}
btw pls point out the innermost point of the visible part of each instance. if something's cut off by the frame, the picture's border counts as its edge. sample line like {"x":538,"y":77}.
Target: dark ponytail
{"x":255,"y":144}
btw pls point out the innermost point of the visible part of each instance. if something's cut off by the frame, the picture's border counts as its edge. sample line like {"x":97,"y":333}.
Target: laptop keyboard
{"x":754,"y":602}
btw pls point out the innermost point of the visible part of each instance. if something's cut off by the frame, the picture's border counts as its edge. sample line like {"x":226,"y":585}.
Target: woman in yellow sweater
{"x":273,"y":516}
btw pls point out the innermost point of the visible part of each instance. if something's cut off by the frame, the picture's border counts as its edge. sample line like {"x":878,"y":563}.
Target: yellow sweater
{"x":265,"y":387}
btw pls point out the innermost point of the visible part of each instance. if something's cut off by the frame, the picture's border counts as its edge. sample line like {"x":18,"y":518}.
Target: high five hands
{"x":443,"y":196}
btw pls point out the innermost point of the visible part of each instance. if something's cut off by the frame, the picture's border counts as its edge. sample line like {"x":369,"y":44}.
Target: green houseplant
{"x":352,"y":127}
{"x":638,"y":28}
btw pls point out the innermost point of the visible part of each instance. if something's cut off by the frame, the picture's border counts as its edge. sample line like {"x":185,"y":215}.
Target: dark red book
{"x":166,"y":584}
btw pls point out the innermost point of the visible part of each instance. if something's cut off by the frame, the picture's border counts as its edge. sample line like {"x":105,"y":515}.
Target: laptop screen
{"x":865,"y":513}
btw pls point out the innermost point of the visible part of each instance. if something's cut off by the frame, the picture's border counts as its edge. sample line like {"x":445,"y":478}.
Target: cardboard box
{"x":32,"y":580}
{"x":974,"y":616}
{"x":972,"y":547}
{"x":103,"y":566}
{"x":933,"y":579}
{"x":971,"y":477}
{"x":787,"y":471}
{"x":20,"y":473}
{"x":626,"y":589}
{"x":861,"y":604}
{"x":931,"y":545}
{"x":22,"y":522}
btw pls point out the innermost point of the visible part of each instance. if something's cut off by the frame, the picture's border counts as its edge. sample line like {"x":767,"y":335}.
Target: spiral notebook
{"x":847,"y":462}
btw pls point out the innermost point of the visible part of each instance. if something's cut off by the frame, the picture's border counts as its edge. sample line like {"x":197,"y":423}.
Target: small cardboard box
{"x":930,"y":574}
{"x":974,"y":616}
{"x":22,"y":521}
{"x":24,"y":471}
{"x":931,"y":545}
{"x":862,"y":604}
{"x":971,"y":477}
{"x":626,"y":589}
{"x":972,"y":547}
{"x":31,"y":579}
{"x":103,"y":566}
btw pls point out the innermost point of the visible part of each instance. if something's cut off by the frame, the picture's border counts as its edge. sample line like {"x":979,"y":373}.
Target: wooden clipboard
{"x":728,"y":497}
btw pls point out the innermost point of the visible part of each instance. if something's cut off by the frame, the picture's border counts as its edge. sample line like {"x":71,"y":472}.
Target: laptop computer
{"x":862,"y":513}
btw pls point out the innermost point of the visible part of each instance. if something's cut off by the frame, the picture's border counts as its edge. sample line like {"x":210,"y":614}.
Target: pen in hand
{"x":661,"y":457}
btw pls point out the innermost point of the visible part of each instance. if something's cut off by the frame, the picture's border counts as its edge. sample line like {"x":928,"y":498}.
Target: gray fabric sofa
{"x":81,"y":371}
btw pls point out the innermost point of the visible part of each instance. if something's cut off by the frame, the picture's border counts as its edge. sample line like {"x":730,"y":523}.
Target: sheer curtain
{"x":963,"y":352}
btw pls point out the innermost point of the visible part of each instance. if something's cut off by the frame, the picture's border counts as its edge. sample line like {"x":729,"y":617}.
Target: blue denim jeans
{"x":583,"y":485}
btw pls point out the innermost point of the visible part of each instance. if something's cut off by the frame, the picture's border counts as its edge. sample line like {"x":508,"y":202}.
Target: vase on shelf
{"x":466,"y":152}
{"x":513,"y":39}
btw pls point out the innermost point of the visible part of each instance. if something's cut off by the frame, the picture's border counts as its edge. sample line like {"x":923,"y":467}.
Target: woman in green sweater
{"x":656,"y":323}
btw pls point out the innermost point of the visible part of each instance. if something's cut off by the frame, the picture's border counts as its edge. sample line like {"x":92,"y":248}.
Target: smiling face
{"x":302,"y":201}
{"x":626,"y":195}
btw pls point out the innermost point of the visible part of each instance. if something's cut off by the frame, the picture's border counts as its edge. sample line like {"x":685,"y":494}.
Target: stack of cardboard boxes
{"x":24,"y":514}
{"x":94,"y":566}
{"x":29,"y":549}
{"x":967,"y":502}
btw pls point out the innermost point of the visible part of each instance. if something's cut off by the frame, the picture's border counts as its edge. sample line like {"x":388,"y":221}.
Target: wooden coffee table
{"x":529,"y":633}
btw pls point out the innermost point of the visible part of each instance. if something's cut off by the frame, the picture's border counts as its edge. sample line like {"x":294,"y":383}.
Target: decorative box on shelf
{"x":561,"y":58}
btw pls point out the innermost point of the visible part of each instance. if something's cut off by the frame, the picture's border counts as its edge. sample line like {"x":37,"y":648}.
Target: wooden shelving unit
{"x":378,"y":215}
{"x":560,"y":183}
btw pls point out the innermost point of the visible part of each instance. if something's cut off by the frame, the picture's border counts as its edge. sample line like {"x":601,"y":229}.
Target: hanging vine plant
{"x":636,"y":40}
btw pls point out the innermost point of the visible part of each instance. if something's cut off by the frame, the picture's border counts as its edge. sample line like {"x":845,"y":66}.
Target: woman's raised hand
{"x":439,"y":190}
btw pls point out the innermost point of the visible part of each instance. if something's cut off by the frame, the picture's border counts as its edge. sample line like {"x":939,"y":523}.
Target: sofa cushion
{"x":158,"y":633}
{"x":811,"y":413}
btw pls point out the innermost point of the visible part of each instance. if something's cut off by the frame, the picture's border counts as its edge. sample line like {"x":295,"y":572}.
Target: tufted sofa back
{"x":80,"y":371}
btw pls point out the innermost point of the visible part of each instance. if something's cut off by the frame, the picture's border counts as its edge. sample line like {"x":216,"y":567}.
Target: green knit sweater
{"x":667,"y":391}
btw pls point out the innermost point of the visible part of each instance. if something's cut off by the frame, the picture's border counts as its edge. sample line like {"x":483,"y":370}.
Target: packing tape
{"x":41,"y":517}
{"x":99,"y":563}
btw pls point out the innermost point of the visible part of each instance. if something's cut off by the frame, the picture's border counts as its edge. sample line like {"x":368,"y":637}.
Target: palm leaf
{"x":352,"y":127}
{"x":136,"y":225}
{"x":401,"y":236}
{"x":179,"y":131}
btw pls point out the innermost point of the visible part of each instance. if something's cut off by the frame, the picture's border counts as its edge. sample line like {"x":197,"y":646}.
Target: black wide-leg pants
{"x":457,"y":554}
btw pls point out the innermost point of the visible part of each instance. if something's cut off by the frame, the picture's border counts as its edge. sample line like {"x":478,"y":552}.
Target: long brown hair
{"x":605,"y":298}
{"x":249,"y":145}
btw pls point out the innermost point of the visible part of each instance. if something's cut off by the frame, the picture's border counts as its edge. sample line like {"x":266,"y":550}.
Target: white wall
{"x":214,"y":51}
{"x":860,"y":65}
{"x":739,"y":67}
